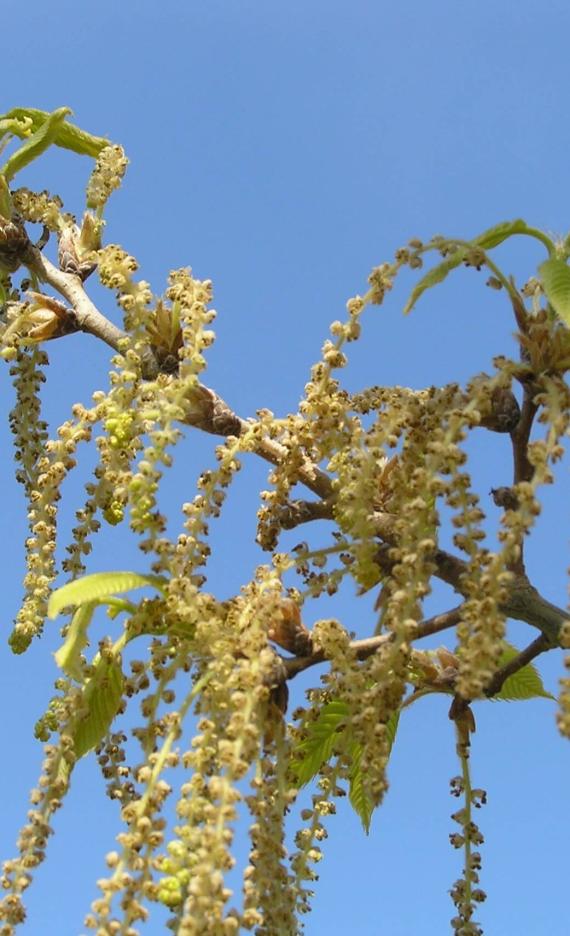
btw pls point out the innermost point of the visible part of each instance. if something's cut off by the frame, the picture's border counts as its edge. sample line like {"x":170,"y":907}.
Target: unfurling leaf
{"x":100,"y":703}
{"x":499,"y":233}
{"x":35,"y":145}
{"x":69,"y":654}
{"x":68,"y":135}
{"x":435,"y":276}
{"x":555,"y":275}
{"x":99,"y":586}
{"x":5,"y":200}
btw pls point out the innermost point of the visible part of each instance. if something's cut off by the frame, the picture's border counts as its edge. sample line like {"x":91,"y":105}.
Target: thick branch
{"x":523,"y":602}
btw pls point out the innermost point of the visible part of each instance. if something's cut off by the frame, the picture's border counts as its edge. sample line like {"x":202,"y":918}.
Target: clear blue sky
{"x":283,"y":149}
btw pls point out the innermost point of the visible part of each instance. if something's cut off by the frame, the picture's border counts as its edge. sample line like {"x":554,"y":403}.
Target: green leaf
{"x":101,"y":701}
{"x":555,"y":275}
{"x":15,"y":126}
{"x":35,"y":145}
{"x":392,"y":727}
{"x":68,"y":657}
{"x":68,"y":135}
{"x":360,"y":800}
{"x":322,"y":737}
{"x":116,"y":606}
{"x":526,"y":683}
{"x":499,"y":233}
{"x":99,"y":586}
{"x":329,"y":733}
{"x":5,"y":200}
{"x":434,"y":276}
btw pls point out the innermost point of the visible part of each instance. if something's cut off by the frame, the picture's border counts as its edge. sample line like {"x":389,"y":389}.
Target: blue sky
{"x":282,"y":150}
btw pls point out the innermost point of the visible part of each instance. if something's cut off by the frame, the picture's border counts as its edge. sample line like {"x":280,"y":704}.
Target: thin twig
{"x":369,"y":645}
{"x":538,"y":646}
{"x":68,"y":285}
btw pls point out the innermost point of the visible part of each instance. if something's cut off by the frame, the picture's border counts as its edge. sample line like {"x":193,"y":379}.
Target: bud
{"x":72,"y":258}
{"x":14,"y":243}
{"x":287,"y":629}
{"x":46,"y":318}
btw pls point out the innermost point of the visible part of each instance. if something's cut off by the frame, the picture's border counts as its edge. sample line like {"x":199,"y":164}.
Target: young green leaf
{"x":5,"y":200}
{"x":101,"y":700}
{"x":35,"y":145}
{"x":68,"y":135}
{"x":499,"y":233}
{"x":526,"y":683}
{"x":323,"y":736}
{"x":555,"y":275}
{"x":14,"y":126}
{"x":359,"y":798}
{"x":434,"y":276}
{"x":68,"y":655}
{"x":116,"y":606}
{"x":98,"y":586}
{"x":330,"y":733}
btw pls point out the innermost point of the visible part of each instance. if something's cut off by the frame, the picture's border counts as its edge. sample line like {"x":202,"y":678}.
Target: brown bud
{"x":505,"y":497}
{"x":69,"y":254}
{"x":279,"y":696}
{"x":14,"y":243}
{"x":505,"y":411}
{"x":287,"y":629}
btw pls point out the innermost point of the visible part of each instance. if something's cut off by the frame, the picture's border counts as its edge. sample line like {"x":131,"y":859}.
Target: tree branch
{"x":533,"y":650}
{"x":538,"y":646}
{"x":369,"y":645}
{"x":68,"y":285}
{"x":213,"y":415}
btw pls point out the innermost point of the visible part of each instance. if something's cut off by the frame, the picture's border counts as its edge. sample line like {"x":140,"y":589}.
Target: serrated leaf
{"x":555,"y":275}
{"x":330,"y":732}
{"x":499,"y":233}
{"x":360,"y":800}
{"x":526,"y":683}
{"x":322,"y":736}
{"x":68,"y":657}
{"x":434,"y":276}
{"x":100,"y":585}
{"x":101,"y":700}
